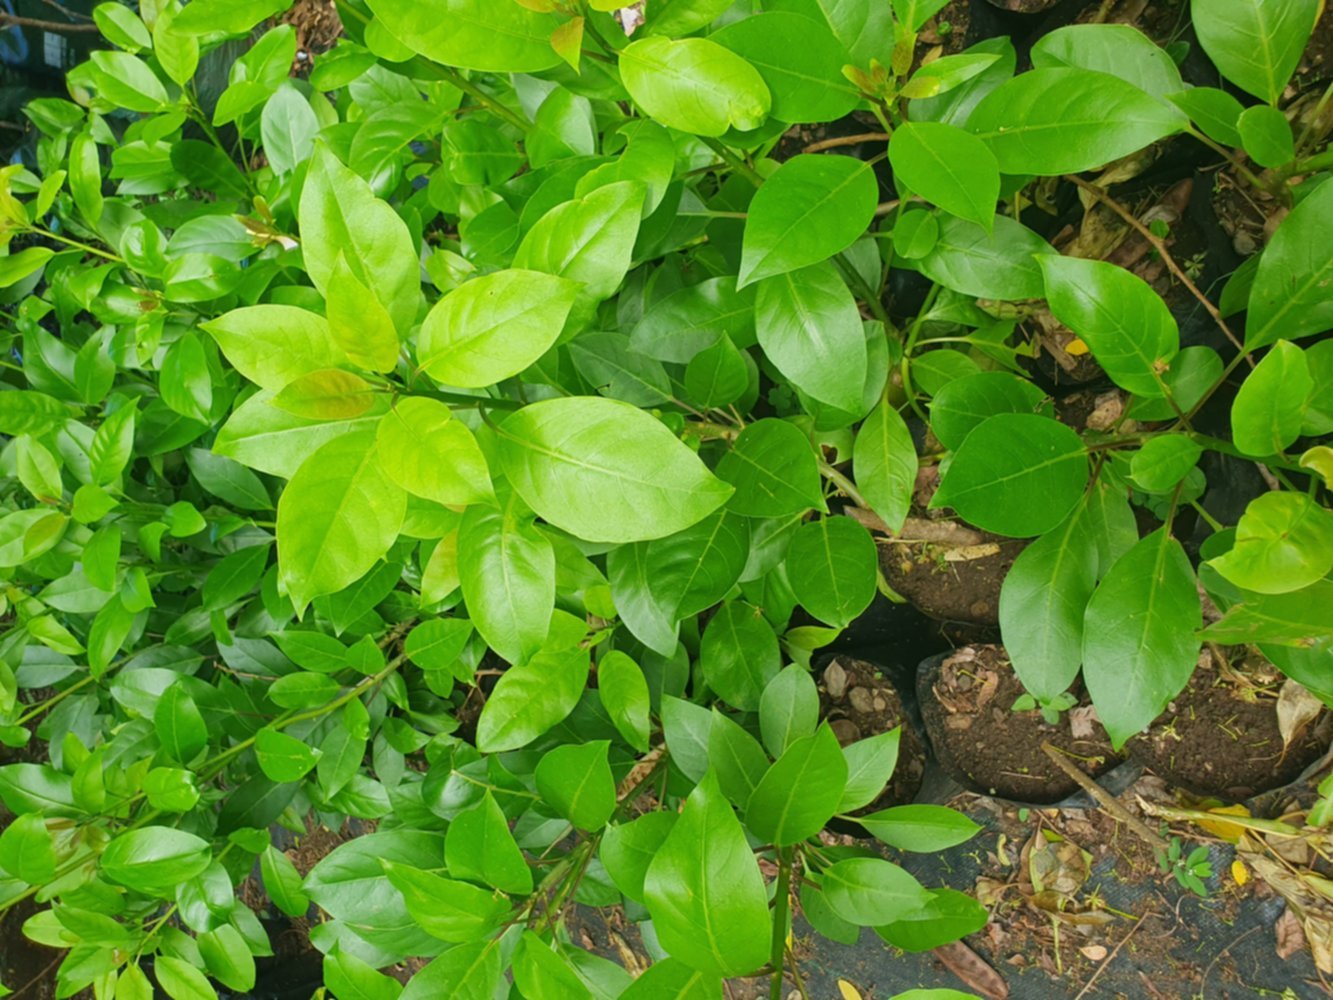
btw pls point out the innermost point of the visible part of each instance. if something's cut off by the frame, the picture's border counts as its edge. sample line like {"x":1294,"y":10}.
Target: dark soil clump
{"x":983,"y":744}
{"x":859,"y":702}
{"x":1220,"y":737}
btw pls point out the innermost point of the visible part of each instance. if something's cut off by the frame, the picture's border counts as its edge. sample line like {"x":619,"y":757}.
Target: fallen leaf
{"x":1296,"y":709}
{"x":1093,"y":952}
{"x":1076,"y":347}
{"x":1290,"y":937}
{"x":972,"y":969}
{"x":1230,"y":832}
{"x":848,"y":991}
{"x":1239,"y":873}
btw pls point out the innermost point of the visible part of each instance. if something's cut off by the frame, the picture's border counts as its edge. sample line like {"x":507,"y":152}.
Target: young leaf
{"x":431,"y":455}
{"x":358,"y":323}
{"x":884,"y":462}
{"x":336,"y":518}
{"x":810,"y":209}
{"x":800,"y":792}
{"x":1268,"y":410}
{"x":1139,"y":646}
{"x":920,"y":828}
{"x":694,"y":85}
{"x":947,"y":166}
{"x":1128,"y":327}
{"x":788,"y":709}
{"x":605,"y":471}
{"x":480,"y":847}
{"x":274,"y":345}
{"x":472,"y":34}
{"x":870,"y":765}
{"x":1284,"y":542}
{"x":1289,"y":298}
{"x":704,"y":890}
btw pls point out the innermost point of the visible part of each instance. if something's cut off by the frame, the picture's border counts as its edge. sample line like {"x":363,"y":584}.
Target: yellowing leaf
{"x":567,"y":40}
{"x":1230,"y":832}
{"x":1076,"y":348}
{"x":1239,"y":873}
{"x":848,"y":991}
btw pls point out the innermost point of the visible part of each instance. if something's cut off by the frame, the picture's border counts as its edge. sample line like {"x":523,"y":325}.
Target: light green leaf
{"x":273,"y":345}
{"x":507,"y":571}
{"x":336,"y":518}
{"x":605,"y":471}
{"x":924,"y":829}
{"x":263,"y":437}
{"x":327,"y":394}
{"x":949,"y":167}
{"x":739,"y":654}
{"x":809,"y":327}
{"x":181,"y":980}
{"x":358,"y":323}
{"x":1164,"y":461}
{"x":800,"y":792}
{"x":287,"y":127}
{"x":788,"y":709}
{"x":1123,"y":321}
{"x":155,"y":859}
{"x":1284,"y":542}
{"x":1255,"y":43}
{"x":531,"y":698}
{"x":1016,"y":474}
{"x":446,"y":908}
{"x":27,"y":852}
{"x":1118,"y":49}
{"x":472,"y":34}
{"x":1268,"y":410}
{"x":494,"y":326}
{"x":1293,"y":619}
{"x":996,"y":265}
{"x":465,"y":972}
{"x":282,"y":882}
{"x":885,"y":464}
{"x":543,"y":973}
{"x":1266,"y":135}
{"x":1139,"y":647}
{"x":127,"y":82}
{"x":694,"y":85}
{"x":431,"y":455}
{"x":282,"y":757}
{"x":669,"y":979}
{"x":870,"y":765}
{"x":811,"y":208}
{"x":588,"y":240}
{"x":871,"y":891}
{"x":832,"y":564}
{"x":1290,"y":297}
{"x":575,"y":780}
{"x":1066,"y":120}
{"x":624,"y":694}
{"x":704,"y":891}
{"x":479,"y":846}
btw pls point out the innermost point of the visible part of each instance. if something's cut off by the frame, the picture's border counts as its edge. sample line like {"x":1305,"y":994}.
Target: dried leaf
{"x":1290,"y":937}
{"x":1093,"y":952}
{"x":1239,"y":873}
{"x":972,"y":969}
{"x":1296,"y":709}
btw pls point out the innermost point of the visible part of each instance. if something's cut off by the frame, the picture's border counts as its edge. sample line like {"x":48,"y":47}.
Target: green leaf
{"x":788,"y":709}
{"x":179,"y":724}
{"x":1266,"y":136}
{"x":1139,"y":647}
{"x":809,"y":327}
{"x":531,"y":698}
{"x":588,"y":239}
{"x":717,"y":376}
{"x":669,"y":979}
{"x":1269,"y":408}
{"x":912,"y":14}
{"x":303,"y":690}
{"x":227,"y":957}
{"x":885,"y":464}
{"x":446,"y":908}
{"x":341,"y":217}
{"x":649,"y":615}
{"x":282,"y":882}
{"x":695,"y":568}
{"x":506,"y":568}
{"x":870,"y":891}
{"x":870,"y":765}
{"x":576,"y":781}
{"x":1042,"y":603}
{"x":997,"y":265}
{"x":924,"y":829}
{"x":493,"y":327}
{"x":736,"y":757}
{"x":800,"y":60}
{"x":274,"y":345}
{"x":26,"y":850}
{"x":1118,"y":49}
{"x":122,"y":27}
{"x":349,"y":978}
{"x":704,"y":891}
{"x":127,"y":82}
{"x":113,"y":445}
{"x":37,"y":468}
{"x":865,"y":29}
{"x":1255,"y":43}
{"x":1289,"y":298}
{"x":1065,"y":120}
{"x":1294,"y":618}
{"x":1164,"y":461}
{"x":949,"y":916}
{"x":680,"y":325}
{"x":358,"y":323}
{"x":155,"y":859}
{"x":288,"y":127}
{"x":624,"y":694}
{"x":25,"y":412}
{"x":543,"y":973}
{"x":965,"y":402}
{"x":479,"y":846}
{"x":431,"y":455}
{"x":282,"y":757}
{"x":694,"y":85}
{"x":327,"y":394}
{"x":627,"y":849}
{"x":467,"y":971}
{"x":1123,"y":321}
{"x":773,"y":468}
{"x":810,"y":209}
{"x":949,"y":167}
{"x":800,"y":792}
{"x":472,"y":34}
{"x":336,"y":518}
{"x":605,"y":471}
{"x":181,"y":980}
{"x":1284,"y":542}
{"x":739,"y":655}
{"x":1214,"y":111}
{"x":832,"y":564}
{"x":687,"y":729}
{"x":230,"y":17}
{"x":1016,"y":474}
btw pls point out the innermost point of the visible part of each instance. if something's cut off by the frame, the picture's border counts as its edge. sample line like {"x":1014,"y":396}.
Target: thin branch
{"x":1161,"y":249}
{"x":1111,"y":957}
{"x":9,"y":20}
{"x":846,"y":140}
{"x":1104,"y":798}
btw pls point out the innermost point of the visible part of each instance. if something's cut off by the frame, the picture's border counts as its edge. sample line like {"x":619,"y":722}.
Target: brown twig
{"x":73,"y":15}
{"x":846,"y":140}
{"x":1104,"y":798}
{"x":9,"y":20}
{"x":1111,"y":957}
{"x":1161,"y":249}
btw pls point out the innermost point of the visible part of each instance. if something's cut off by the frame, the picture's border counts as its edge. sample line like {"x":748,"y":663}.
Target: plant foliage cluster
{"x":459,"y":440}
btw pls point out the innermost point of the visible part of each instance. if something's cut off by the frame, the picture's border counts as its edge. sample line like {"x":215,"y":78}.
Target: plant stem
{"x":733,"y":160}
{"x":463,"y":399}
{"x":1240,"y":168}
{"x":843,"y":483}
{"x":781,"y":909}
{"x":86,"y":248}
